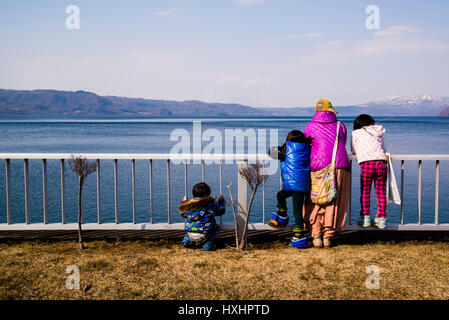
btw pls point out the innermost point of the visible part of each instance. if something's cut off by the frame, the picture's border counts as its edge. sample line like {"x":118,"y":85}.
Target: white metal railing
{"x":419,"y":158}
{"x":240,"y":159}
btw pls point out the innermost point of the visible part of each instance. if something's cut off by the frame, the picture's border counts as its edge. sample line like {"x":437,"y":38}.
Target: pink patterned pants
{"x":373,"y":171}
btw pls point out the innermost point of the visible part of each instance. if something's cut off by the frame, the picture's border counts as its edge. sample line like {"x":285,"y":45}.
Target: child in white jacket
{"x":368,"y":146}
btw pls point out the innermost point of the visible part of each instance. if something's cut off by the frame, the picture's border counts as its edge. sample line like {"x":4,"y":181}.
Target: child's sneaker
{"x":327,"y":242}
{"x":365,"y":222}
{"x":299,"y":243}
{"x":318,"y":242}
{"x":278,"y":221}
{"x":381,"y":223}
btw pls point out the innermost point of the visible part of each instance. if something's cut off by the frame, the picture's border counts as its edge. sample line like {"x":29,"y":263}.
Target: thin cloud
{"x":297,"y":36}
{"x":388,"y":45}
{"x":169,"y":12}
{"x":397,"y":31}
{"x":259,"y":81}
{"x":329,"y":44}
{"x":249,"y":2}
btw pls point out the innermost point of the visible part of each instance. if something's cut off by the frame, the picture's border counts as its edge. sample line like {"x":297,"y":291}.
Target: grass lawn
{"x":144,"y":269}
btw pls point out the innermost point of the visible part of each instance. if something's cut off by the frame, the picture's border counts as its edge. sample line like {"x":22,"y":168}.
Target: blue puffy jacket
{"x":295,"y":168}
{"x":200,"y":213}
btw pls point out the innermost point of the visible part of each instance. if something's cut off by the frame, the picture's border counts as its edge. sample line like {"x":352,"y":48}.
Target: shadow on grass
{"x":257,"y":240}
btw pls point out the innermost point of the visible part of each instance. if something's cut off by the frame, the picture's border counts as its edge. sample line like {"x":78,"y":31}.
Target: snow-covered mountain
{"x":395,"y":106}
{"x":424,"y":105}
{"x":418,"y":100}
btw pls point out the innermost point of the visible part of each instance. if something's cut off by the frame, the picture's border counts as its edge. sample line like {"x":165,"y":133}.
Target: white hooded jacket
{"x":367,"y":143}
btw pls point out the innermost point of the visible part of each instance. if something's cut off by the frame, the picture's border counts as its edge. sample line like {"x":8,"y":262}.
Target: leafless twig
{"x":255,"y":179}
{"x":83,"y":169}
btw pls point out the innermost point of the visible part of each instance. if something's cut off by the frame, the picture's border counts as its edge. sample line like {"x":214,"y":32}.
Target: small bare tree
{"x":233,"y":205}
{"x":255,"y":179}
{"x":82,"y":168}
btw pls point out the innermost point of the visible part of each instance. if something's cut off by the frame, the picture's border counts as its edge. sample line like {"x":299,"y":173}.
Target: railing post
{"x":62,"y":192}
{"x":280,"y":176}
{"x":44,"y":190}
{"x":168,"y":191}
{"x":116,"y":190}
{"x":419,"y":189}
{"x":26,"y":173}
{"x":402,"y":191}
{"x":437,"y":189}
{"x":133,"y":174}
{"x":98,"y":193}
{"x":221,"y":176}
{"x":263,"y":192}
{"x":185,"y":178}
{"x":151,"y":190}
{"x":221,"y":185}
{"x":203,"y":171}
{"x":350,"y":192}
{"x":242,"y":200}
{"x":8,"y":191}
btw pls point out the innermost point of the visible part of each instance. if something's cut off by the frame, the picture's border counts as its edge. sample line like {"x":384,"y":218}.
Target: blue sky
{"x":277,"y":53}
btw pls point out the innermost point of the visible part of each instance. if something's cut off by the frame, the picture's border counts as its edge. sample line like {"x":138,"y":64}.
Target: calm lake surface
{"x":405,"y":135}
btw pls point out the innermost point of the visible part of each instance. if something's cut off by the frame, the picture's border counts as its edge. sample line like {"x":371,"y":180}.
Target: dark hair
{"x":363,"y":120}
{"x":296,"y":136}
{"x":201,"y":190}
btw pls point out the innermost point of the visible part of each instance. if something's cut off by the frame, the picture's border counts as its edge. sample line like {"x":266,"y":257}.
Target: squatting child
{"x":199,"y":214}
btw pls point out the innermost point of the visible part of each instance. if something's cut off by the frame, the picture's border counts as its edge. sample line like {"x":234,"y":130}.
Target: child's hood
{"x":375,"y":130}
{"x":195,"y":204}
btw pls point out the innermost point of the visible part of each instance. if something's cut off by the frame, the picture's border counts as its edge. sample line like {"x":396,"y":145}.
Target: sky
{"x":262,"y":53}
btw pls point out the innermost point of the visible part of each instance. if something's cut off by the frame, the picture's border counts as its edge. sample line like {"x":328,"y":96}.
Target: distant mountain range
{"x":55,"y":102}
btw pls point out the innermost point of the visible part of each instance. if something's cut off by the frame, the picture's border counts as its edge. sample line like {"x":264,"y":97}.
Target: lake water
{"x":405,"y":135}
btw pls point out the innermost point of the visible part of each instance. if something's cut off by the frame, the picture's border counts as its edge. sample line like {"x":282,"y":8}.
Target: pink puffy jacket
{"x":322,"y":130}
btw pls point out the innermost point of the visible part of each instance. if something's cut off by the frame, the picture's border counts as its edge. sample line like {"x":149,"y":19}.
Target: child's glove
{"x":278,"y":153}
{"x":273,"y":152}
{"x":221,"y":199}
{"x":185,"y":199}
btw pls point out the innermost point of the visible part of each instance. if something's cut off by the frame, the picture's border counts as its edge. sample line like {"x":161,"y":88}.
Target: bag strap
{"x":334,"y":153}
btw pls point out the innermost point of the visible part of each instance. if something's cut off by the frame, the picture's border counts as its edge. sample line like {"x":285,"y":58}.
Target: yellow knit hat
{"x":324,"y":105}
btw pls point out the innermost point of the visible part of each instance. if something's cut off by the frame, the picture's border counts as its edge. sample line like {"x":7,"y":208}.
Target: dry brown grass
{"x":165,"y":270}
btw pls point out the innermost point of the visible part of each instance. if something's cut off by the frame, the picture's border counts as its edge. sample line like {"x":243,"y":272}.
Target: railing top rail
{"x":137,"y":156}
{"x":424,"y":157}
{"x":192,"y":156}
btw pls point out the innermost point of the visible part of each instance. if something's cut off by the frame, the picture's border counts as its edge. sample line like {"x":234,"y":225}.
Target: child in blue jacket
{"x":294,"y":155}
{"x":199,"y":214}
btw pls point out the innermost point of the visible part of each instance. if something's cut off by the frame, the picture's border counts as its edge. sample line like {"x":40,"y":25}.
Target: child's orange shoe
{"x":278,"y":221}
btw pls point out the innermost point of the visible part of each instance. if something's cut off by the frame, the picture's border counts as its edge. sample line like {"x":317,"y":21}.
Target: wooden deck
{"x":226,"y":232}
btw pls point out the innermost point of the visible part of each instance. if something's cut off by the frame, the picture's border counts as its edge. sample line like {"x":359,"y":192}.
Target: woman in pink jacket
{"x":325,"y":221}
